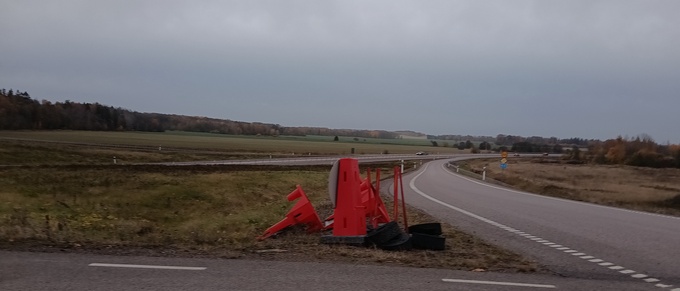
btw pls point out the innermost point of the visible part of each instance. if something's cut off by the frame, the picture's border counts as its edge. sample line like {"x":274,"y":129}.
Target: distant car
{"x":421,"y":153}
{"x":545,"y":154}
{"x":516,"y":155}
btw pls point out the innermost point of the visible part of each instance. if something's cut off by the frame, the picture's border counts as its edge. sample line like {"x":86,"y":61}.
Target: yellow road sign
{"x":504,"y":160}
{"x":504,"y":154}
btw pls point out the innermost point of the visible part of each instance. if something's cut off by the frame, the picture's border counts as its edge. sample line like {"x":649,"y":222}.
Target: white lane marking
{"x":498,"y":283}
{"x":516,"y":231}
{"x":639,"y":276}
{"x":147,"y":267}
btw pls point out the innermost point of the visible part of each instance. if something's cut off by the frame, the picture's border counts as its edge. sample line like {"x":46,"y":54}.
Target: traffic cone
{"x":303,"y":212}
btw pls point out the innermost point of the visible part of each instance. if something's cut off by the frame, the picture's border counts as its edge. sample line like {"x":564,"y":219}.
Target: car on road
{"x":421,"y":153}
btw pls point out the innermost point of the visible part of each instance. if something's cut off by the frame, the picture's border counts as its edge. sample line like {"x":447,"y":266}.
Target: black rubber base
{"x":428,"y":242}
{"x":345,"y":240}
{"x":433,"y":228}
{"x":384,"y":233}
{"x":400,"y":243}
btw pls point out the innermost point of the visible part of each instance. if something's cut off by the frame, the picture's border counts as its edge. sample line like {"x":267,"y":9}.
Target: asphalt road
{"x":69,"y":271}
{"x":574,"y":239}
{"x":316,"y":160}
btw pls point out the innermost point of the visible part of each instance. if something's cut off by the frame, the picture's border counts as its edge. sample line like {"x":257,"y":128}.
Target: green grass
{"x":183,"y":141}
{"x":148,"y":206}
{"x":70,"y":196}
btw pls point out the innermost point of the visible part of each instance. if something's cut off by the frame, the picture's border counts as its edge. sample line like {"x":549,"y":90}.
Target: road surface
{"x":69,"y":271}
{"x":574,"y":239}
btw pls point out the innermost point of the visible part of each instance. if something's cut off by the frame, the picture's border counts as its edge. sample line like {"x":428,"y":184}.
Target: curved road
{"x":573,"y":239}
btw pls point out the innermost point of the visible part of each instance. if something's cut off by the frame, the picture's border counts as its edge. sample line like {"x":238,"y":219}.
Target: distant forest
{"x":19,"y":111}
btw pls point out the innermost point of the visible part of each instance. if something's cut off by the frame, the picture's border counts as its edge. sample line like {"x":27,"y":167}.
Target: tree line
{"x":19,"y":111}
{"x":640,"y":151}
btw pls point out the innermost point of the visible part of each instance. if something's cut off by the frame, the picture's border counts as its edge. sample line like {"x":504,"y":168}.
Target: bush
{"x":672,"y":202}
{"x":643,"y":158}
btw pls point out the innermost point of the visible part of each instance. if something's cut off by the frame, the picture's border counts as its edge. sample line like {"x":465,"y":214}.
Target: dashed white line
{"x":147,"y":267}
{"x":498,"y":283}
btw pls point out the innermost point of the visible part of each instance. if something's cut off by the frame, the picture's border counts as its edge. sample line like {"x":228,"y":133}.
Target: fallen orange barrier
{"x":303,"y":212}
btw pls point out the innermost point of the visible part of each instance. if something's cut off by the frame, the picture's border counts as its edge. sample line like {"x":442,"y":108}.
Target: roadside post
{"x":484,"y":174}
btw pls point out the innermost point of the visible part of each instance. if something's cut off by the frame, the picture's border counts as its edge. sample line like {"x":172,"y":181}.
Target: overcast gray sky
{"x":590,"y":69}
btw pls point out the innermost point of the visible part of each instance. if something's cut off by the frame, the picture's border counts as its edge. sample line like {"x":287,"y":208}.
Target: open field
{"x":645,"y":189}
{"x":51,"y":204}
{"x":229,"y":145}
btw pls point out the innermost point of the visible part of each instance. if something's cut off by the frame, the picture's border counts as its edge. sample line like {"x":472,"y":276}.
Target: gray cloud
{"x":592,"y":69}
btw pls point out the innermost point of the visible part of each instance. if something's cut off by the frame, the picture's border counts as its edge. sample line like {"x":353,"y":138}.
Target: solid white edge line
{"x":498,"y":283}
{"x":147,"y":267}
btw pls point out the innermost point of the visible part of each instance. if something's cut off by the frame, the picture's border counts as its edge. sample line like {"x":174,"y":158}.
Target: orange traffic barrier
{"x":376,"y":211}
{"x":374,"y":208}
{"x":303,"y":212}
{"x":349,"y":216}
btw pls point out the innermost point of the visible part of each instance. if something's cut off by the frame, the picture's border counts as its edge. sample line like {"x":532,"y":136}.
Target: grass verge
{"x":636,"y":188}
{"x":214,"y":211}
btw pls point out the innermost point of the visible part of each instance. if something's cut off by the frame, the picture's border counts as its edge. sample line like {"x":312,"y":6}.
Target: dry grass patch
{"x":647,"y":189}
